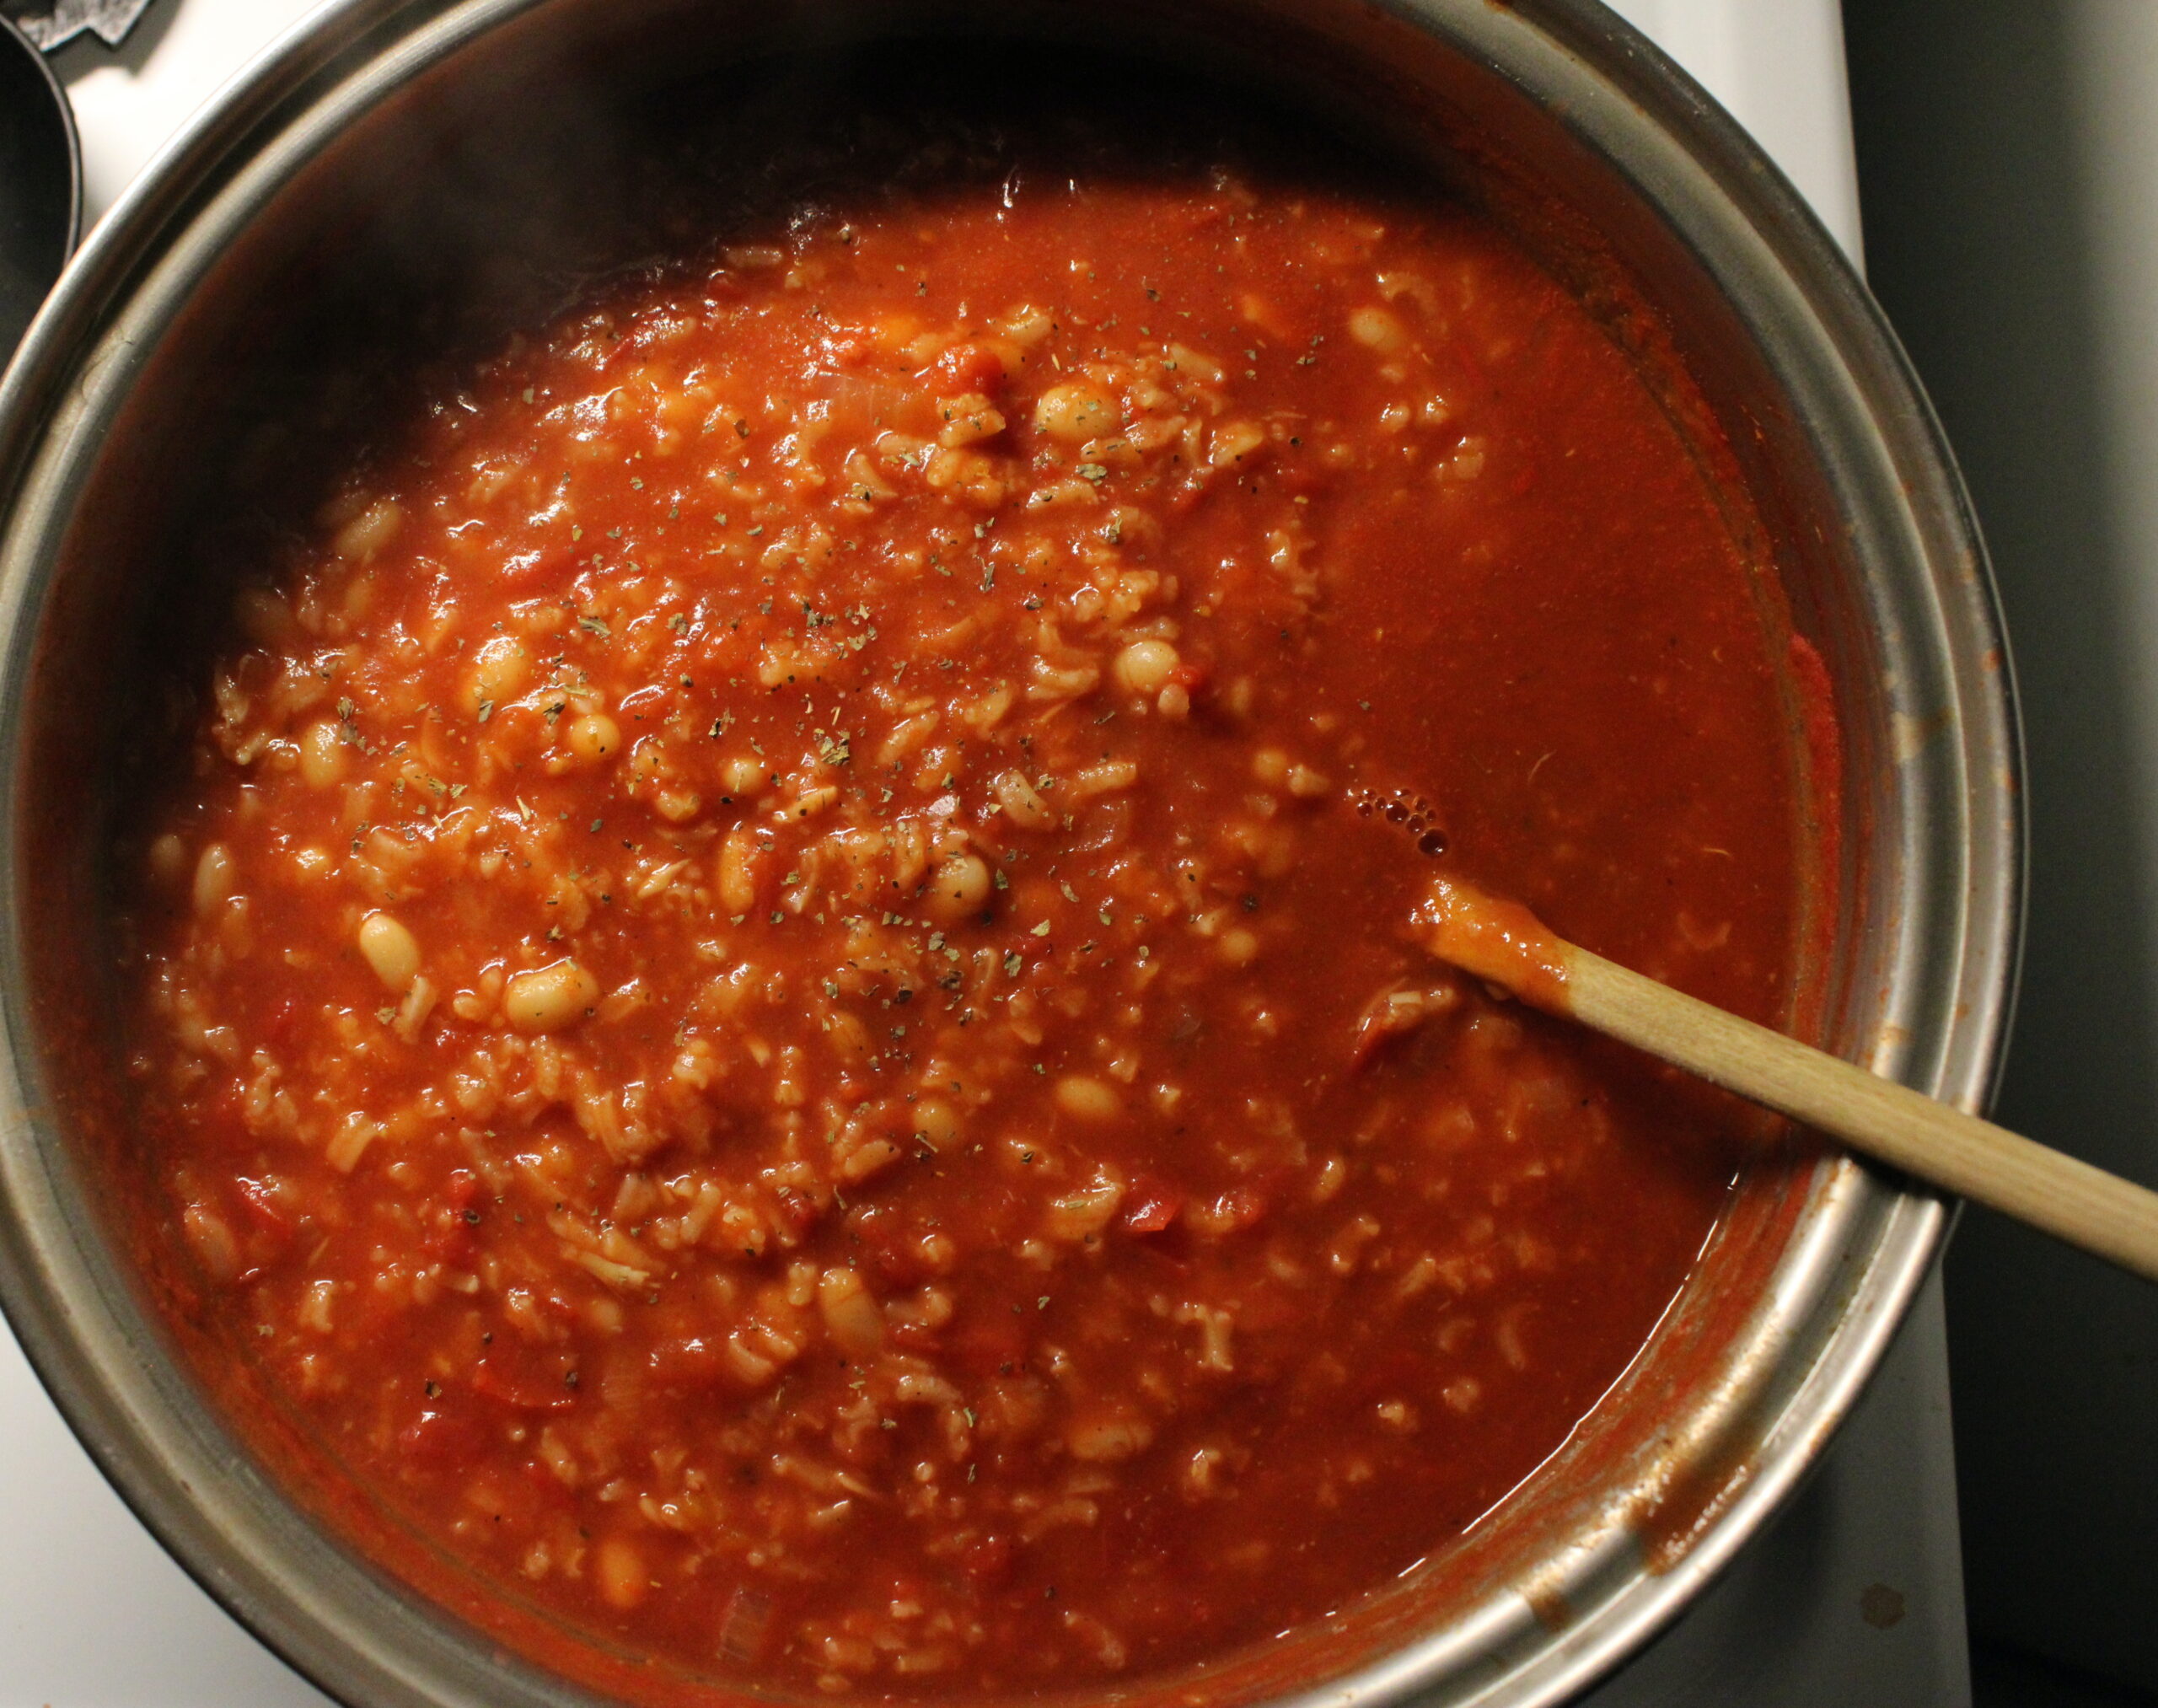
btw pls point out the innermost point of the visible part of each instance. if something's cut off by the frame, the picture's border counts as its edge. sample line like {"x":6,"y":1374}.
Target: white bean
{"x":167,"y":861}
{"x":851,"y":1315}
{"x":1075,"y":412}
{"x":959,"y":889}
{"x":935,"y":1123}
{"x":593,"y":738}
{"x":551,"y":997}
{"x":322,"y":754}
{"x":1021,"y":805}
{"x":1145,"y":666}
{"x":215,"y":874}
{"x":1379,"y":329}
{"x":369,"y":531}
{"x":1087,"y":1099}
{"x":500,"y":668}
{"x":391,"y":950}
{"x":619,"y":1570}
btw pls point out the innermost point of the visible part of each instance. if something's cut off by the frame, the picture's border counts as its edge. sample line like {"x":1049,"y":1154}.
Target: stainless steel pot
{"x":298,"y":194}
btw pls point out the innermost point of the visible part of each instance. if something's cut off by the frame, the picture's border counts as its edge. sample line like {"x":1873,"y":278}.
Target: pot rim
{"x":18,"y":41}
{"x":1951,"y":971}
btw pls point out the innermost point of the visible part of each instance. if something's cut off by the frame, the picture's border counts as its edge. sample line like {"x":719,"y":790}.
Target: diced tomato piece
{"x":281,"y":1025}
{"x":889,"y":1243}
{"x":847,"y":348}
{"x":967,"y":368}
{"x":986,"y":1560}
{"x":439,"y":1439}
{"x":743,"y":1625}
{"x":448,"y":1238}
{"x":796,"y":1214}
{"x":527,"y":1378}
{"x":1242,"y":1205}
{"x":1151,"y":1206}
{"x":265,"y":1207}
{"x":916,"y":1337}
{"x":686,"y":1361}
{"x":452,"y":1228}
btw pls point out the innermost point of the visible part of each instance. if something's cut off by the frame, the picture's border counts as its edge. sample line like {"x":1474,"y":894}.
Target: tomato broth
{"x":778,"y":991}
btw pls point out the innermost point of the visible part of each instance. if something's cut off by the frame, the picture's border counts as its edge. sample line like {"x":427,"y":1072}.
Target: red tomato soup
{"x":779,"y":999}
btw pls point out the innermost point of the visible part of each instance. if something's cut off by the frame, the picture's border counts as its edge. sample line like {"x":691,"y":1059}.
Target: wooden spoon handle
{"x":2088,"y":1208}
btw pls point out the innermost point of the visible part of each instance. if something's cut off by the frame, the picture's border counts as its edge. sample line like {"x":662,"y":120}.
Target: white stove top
{"x":1854,"y":1596}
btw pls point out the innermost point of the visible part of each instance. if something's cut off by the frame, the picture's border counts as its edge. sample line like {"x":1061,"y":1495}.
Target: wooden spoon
{"x":1505,"y":943}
